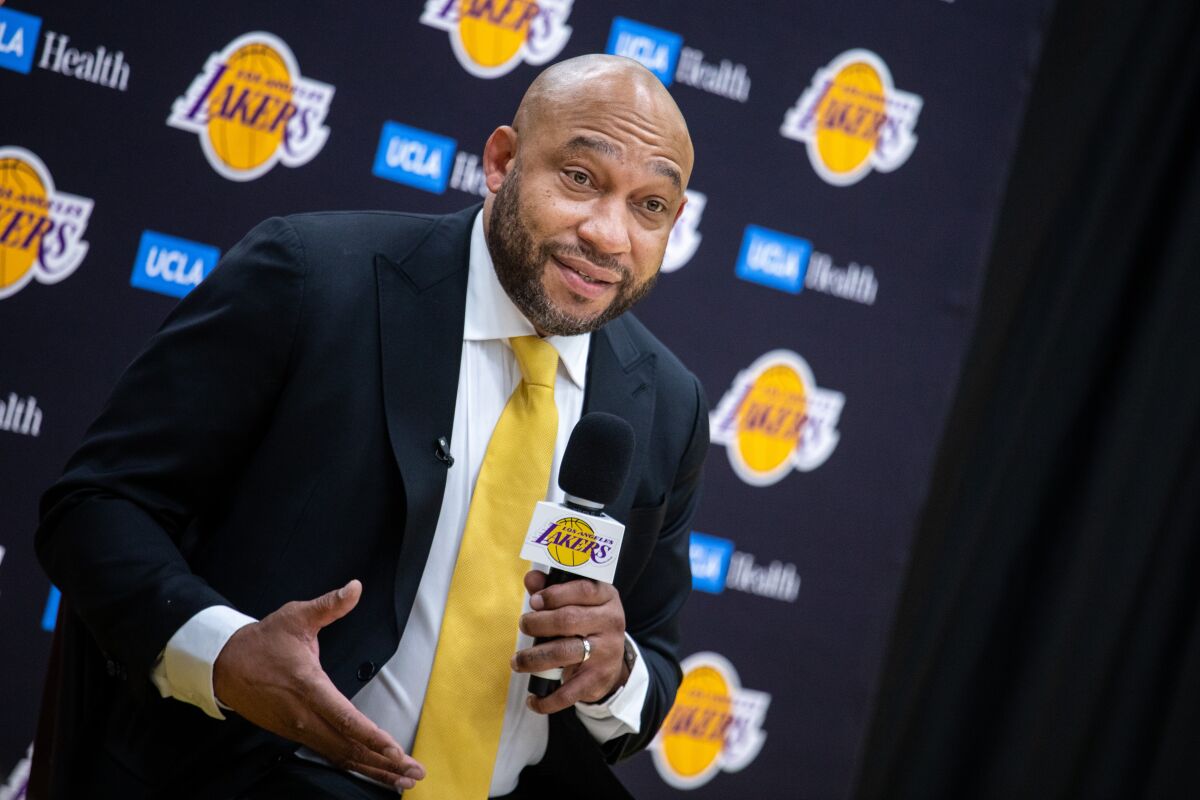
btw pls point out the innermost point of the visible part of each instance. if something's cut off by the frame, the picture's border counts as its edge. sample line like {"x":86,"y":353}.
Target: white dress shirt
{"x":488,"y":374}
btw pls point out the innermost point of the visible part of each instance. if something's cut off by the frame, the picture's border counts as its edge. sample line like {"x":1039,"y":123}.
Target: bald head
{"x":604,"y":86}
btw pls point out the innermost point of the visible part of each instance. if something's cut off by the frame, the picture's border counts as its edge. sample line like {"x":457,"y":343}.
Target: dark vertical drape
{"x":1047,"y":643}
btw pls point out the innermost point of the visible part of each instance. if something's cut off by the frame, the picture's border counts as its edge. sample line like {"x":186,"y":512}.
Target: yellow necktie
{"x":459,"y":731}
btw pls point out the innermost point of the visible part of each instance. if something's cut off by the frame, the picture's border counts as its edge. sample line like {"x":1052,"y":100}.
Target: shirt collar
{"x":490,"y":314}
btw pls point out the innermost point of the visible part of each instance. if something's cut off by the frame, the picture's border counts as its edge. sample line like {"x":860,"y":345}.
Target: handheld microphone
{"x":577,"y":538}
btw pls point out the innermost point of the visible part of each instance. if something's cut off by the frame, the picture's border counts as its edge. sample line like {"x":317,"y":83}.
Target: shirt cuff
{"x":621,"y":713}
{"x":184,"y":669}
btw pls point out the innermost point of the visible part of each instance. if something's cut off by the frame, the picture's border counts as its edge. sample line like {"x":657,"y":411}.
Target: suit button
{"x":366,"y":670}
{"x":110,"y":667}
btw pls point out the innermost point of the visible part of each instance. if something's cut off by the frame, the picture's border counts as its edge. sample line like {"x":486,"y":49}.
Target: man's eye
{"x":580,"y":178}
{"x":655,"y":206}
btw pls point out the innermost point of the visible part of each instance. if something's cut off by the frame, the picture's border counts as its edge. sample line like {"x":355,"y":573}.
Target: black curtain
{"x":1047,"y":643}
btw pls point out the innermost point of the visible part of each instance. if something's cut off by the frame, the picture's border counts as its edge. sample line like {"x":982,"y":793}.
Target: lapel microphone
{"x":576,"y":538}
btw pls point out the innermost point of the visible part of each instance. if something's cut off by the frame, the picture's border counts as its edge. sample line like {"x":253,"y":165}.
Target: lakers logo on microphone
{"x":774,"y":418}
{"x":714,"y":724}
{"x":252,"y":109}
{"x":854,"y":119}
{"x":571,"y":542}
{"x":491,"y":37}
{"x":41,"y":228}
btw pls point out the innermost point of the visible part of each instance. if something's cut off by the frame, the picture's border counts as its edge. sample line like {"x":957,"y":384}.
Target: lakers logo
{"x":252,"y":109}
{"x":572,"y":542}
{"x":41,"y":228}
{"x":491,"y":37}
{"x":775,"y":419}
{"x":714,"y":724}
{"x":853,"y":119}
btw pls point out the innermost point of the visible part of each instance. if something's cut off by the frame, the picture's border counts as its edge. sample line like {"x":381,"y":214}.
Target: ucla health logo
{"x":172,"y":266}
{"x":18,"y":39}
{"x":717,"y":566}
{"x":774,"y":419}
{"x":662,"y":52}
{"x":714,"y":725}
{"x":414,"y":157}
{"x":252,"y":109}
{"x":685,"y":236}
{"x":789,"y":263}
{"x":709,"y":556}
{"x":41,"y":228}
{"x":773,"y":259}
{"x":853,"y":119}
{"x":491,"y":37}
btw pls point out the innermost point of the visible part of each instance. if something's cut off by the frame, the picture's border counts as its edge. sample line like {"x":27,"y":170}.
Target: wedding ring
{"x":587,"y":649}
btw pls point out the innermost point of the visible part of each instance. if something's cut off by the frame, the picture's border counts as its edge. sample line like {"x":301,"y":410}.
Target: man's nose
{"x":606,"y":227}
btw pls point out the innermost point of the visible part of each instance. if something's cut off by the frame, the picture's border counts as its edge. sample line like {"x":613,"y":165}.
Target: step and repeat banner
{"x":822,"y":282}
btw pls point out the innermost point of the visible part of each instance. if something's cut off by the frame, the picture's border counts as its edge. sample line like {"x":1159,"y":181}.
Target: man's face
{"x":580,"y":224}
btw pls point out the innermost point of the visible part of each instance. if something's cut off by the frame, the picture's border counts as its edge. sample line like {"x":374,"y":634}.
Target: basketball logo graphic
{"x":713,"y":725}
{"x":572,"y":542}
{"x":491,"y":39}
{"x":252,"y":109}
{"x":774,"y":419}
{"x":853,"y":119}
{"x":42,"y":236}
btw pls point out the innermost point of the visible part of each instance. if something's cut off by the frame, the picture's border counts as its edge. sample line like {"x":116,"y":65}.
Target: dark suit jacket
{"x":275,"y":439}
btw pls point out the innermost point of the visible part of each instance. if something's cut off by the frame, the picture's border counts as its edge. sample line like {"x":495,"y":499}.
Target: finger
{"x":383,"y":776}
{"x":350,"y":754}
{"x":301,"y":725}
{"x":569,"y":621}
{"x":579,"y":592}
{"x":535,"y":580}
{"x":332,"y":606}
{"x":352,"y":726}
{"x":583,"y":686}
{"x":321,"y":737}
{"x":547,"y":655}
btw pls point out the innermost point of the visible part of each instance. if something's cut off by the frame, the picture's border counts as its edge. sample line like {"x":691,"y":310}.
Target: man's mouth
{"x":588,"y":271}
{"x":584,"y":278}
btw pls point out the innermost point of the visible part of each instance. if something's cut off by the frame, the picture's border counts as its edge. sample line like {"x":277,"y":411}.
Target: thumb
{"x":332,"y":606}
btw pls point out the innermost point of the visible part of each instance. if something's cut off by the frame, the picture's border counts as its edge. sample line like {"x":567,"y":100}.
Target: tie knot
{"x":538,"y":360}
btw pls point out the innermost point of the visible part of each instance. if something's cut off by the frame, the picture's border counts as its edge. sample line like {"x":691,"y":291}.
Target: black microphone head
{"x":596,"y":462}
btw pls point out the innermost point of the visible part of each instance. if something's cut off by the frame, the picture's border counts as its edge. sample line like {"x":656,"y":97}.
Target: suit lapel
{"x":621,"y":381}
{"x":422,"y":301}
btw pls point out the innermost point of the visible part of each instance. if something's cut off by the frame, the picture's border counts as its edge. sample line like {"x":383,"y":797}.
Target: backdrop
{"x":822,"y":283}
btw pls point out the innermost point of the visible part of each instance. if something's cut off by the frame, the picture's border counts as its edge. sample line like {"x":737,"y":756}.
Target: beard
{"x":520,"y":263}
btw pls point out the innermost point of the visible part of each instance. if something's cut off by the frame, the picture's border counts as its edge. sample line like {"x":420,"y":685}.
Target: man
{"x":315,"y":419}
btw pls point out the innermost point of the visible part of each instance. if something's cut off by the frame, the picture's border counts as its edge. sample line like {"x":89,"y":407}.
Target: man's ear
{"x":499,"y":156}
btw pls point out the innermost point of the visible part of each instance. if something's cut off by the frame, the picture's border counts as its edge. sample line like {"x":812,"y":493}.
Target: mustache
{"x":588,"y":253}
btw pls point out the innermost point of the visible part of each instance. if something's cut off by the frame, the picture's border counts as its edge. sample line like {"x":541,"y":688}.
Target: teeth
{"x":585,"y":277}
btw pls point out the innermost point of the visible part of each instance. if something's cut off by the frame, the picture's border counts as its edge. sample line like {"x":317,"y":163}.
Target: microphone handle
{"x":539,"y":686}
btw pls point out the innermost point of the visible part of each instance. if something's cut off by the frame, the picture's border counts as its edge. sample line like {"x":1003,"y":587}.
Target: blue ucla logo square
{"x":170,"y":265}
{"x":655,"y":48}
{"x":18,"y":39}
{"x":709,"y":556}
{"x":774,"y":259}
{"x":414,"y":157}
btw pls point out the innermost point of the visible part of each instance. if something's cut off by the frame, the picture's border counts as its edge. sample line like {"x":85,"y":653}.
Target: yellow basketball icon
{"x":771,"y":418}
{"x":849,"y":118}
{"x":715,"y":724}
{"x":491,"y":42}
{"x":693,"y":735}
{"x":23,"y":195}
{"x":569,"y":542}
{"x":242,"y":136}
